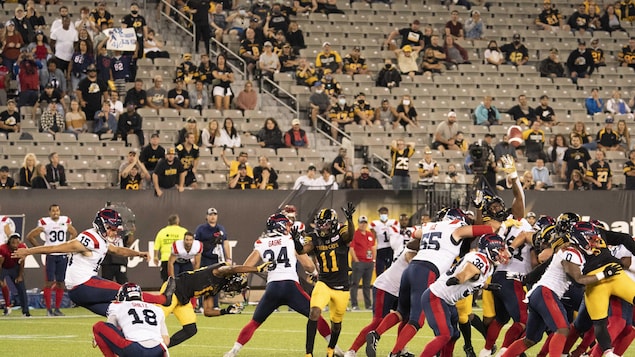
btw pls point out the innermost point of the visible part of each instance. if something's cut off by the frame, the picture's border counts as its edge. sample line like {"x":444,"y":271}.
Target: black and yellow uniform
{"x":244,"y":183}
{"x":627,"y":55}
{"x":200,"y":282}
{"x":515,"y":54}
{"x":252,"y":47}
{"x":598,"y":57}
{"x":188,"y":158}
{"x":607,"y":138}
{"x":131,"y":182}
{"x":363,"y":107}
{"x":330,"y":61}
{"x":167,"y":173}
{"x":630,"y":180}
{"x":354,"y":65}
{"x":341,"y":115}
{"x":331,"y":86}
{"x":550,"y":17}
{"x":187,"y":72}
{"x":401,"y":161}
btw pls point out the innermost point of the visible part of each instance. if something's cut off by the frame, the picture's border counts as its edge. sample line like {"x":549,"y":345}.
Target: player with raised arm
{"x":276,"y":246}
{"x":329,"y":242}
{"x":57,"y":229}
{"x":87,"y":251}
{"x":134,"y":327}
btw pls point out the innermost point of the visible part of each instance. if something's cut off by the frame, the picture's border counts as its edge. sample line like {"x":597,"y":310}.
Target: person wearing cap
{"x":242,"y":158}
{"x":546,"y":114}
{"x":428,"y":170}
{"x":363,"y":252}
{"x":51,"y":120}
{"x":241,"y":181}
{"x":10,"y":118}
{"x":445,"y":134}
{"x":12,"y":43}
{"x":355,"y":63}
{"x":132,"y":173}
{"x":138,"y":23}
{"x":340,"y":115}
{"x":534,"y":138}
{"x":550,"y":18}
{"x":366,"y":181}
{"x":51,"y":94}
{"x":189,"y":155}
{"x":487,"y":114}
{"x":296,"y":137}
{"x":157,"y":96}
{"x":169,"y":173}
{"x":474,"y":26}
{"x":92,"y":92}
{"x":250,"y":51}
{"x":319,"y":102}
{"x":130,"y":122}
{"x":606,"y":137}
{"x":400,"y":153}
{"x":289,"y":61}
{"x":364,"y":114}
{"x":516,"y":53}
{"x":13,"y":269}
{"x":23,"y":25}
{"x":407,"y":57}
{"x":187,"y":70}
{"x":329,"y":59}
{"x":580,"y":62}
{"x":6,"y":181}
{"x":579,"y":21}
{"x":163,"y":242}
{"x":306,"y":180}
{"x":178,"y":97}
{"x":268,"y":62}
{"x":597,"y":53}
{"x":409,"y":36}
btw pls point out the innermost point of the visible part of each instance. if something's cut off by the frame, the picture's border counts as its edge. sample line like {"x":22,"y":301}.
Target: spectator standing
{"x":91,"y":93}
{"x":363,"y":255}
{"x":27,"y":171}
{"x":138,"y":22}
{"x":540,"y":175}
{"x":55,"y":172}
{"x":152,"y":153}
{"x":319,"y":103}
{"x":295,"y":37}
{"x":401,"y":153}
{"x":268,"y":62}
{"x":599,"y":172}
{"x":62,"y":42}
{"x":13,"y":268}
{"x":445,"y":134}
{"x":130,"y":122}
{"x":409,"y":36}
{"x":365,"y":181}
{"x":13,"y":41}
{"x":200,"y":10}
{"x":163,"y":242}
{"x":28,"y":79}
{"x":594,"y":104}
{"x":629,"y":171}
{"x":486,"y":113}
{"x":169,"y":173}
{"x":80,"y":60}
{"x":576,"y":157}
{"x":221,"y":86}
{"x":250,"y":50}
{"x":247,"y":99}
{"x":270,"y":135}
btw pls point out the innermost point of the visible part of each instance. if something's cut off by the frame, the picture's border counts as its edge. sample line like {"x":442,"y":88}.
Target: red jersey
{"x":5,"y":252}
{"x":363,"y":243}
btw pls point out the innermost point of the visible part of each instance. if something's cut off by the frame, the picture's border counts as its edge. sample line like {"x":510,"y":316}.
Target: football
{"x":515,"y":136}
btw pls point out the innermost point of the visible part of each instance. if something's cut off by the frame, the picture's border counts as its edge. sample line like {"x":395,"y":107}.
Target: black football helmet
{"x":278,"y":223}
{"x":494,"y":208}
{"x":586,"y":236}
{"x":493,"y":246}
{"x":326,"y":222}
{"x":543,"y":236}
{"x":452,"y":214}
{"x":107,"y":219}
{"x":566,"y":220}
{"x":236,"y":283}
{"x":129,"y":292}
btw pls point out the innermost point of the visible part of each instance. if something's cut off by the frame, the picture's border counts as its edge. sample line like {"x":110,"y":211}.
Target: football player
{"x":183,"y":252}
{"x":385,"y":229}
{"x":134,"y":327}
{"x":57,"y":229}
{"x":329,"y":242}
{"x":87,"y":251}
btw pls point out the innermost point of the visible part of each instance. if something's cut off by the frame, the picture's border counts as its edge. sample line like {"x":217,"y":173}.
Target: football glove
{"x":509,"y":166}
{"x":511,"y":222}
{"x":478,"y":199}
{"x":297,"y":239}
{"x":452,"y":281}
{"x":313,"y":277}
{"x":262,"y":267}
{"x":232,"y":309}
{"x":612,"y":269}
{"x":493,"y":287}
{"x":349,"y":210}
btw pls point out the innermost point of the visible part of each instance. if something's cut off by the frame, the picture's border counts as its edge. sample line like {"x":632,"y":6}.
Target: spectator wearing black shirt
{"x":200,"y":9}
{"x":169,"y":173}
{"x":409,"y":36}
{"x":10,"y":118}
{"x":629,"y":171}
{"x":136,"y":95}
{"x":575,"y":158}
{"x":270,"y":136}
{"x":607,"y":138}
{"x":241,"y":181}
{"x":55,"y":172}
{"x":152,"y":153}
{"x":338,"y":166}
{"x":265,"y":176}
{"x":522,"y":113}
{"x":365,"y":181}
{"x":6,"y":181}
{"x":130,"y":122}
{"x":580,"y":62}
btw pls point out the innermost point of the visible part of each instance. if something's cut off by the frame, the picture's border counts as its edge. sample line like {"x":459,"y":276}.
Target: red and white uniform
{"x":454,"y":293}
{"x":83,"y":267}
{"x":4,"y":221}
{"x":520,"y":261}
{"x":139,"y":321}
{"x":399,"y":241}
{"x":184,"y":256}
{"x":384,"y":231}
{"x":55,"y":232}
{"x":555,"y":278}
{"x":620,"y":252}
{"x":280,"y":251}
{"x":390,"y":280}
{"x":437,"y":244}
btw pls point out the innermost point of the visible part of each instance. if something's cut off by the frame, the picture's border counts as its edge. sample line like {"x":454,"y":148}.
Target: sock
{"x":515,"y":349}
{"x":6,"y":295}
{"x":448,"y":349}
{"x":433,"y":347}
{"x":573,"y":336}
{"x":154,"y":299}
{"x":183,"y":334}
{"x":389,"y":321}
{"x":478,"y":324}
{"x":557,"y":344}
{"x":587,"y":340}
{"x":245,"y":334}
{"x":47,"y":297}
{"x":323,"y":327}
{"x":237,"y":347}
{"x":59,"y":295}
{"x":402,"y":324}
{"x":616,"y":325}
{"x":311,"y":327}
{"x":493,"y":331}
{"x":361,"y":337}
{"x":513,"y":333}
{"x":335,"y":334}
{"x":624,"y":340}
{"x":407,"y":333}
{"x":466,"y":331}
{"x":545,"y":347}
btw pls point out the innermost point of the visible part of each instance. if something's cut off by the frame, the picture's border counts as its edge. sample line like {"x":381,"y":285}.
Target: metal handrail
{"x":321,"y":119}
{"x":295,"y":110}
{"x":375,"y":157}
{"x":232,"y":54}
{"x":182,"y":15}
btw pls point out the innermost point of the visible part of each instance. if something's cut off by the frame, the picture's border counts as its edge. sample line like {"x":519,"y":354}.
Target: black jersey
{"x":332,"y":254}
{"x":186,"y":157}
{"x":602,"y":256}
{"x":200,"y":282}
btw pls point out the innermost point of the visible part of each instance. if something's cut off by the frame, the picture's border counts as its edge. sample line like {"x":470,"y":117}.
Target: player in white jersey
{"x":7,"y":227}
{"x":384,"y":229}
{"x":134,"y":327}
{"x":185,"y":255}
{"x":53,"y":230}
{"x":399,"y":241}
{"x":87,"y":251}
{"x":283,"y":288}
{"x":462,"y":280}
{"x":439,"y":243}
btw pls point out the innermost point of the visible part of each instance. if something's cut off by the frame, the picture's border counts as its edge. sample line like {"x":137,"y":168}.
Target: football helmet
{"x":493,"y":246}
{"x":566,"y":220}
{"x":326,"y":222}
{"x":290,"y":211}
{"x":278,"y":223}
{"x":543,"y":222}
{"x":451,"y":214}
{"x":129,"y":292}
{"x":235,"y":284}
{"x":543,"y":236}
{"x":586,"y":236}
{"x":494,"y":208}
{"x":107,"y":219}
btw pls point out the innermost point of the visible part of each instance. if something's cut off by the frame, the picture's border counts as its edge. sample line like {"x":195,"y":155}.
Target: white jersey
{"x":555,"y":278}
{"x":55,"y":232}
{"x":299,"y":225}
{"x":384,"y":231}
{"x":399,"y":241}
{"x":390,"y":280}
{"x":6,"y":221}
{"x":438,"y":246}
{"x":620,"y":252}
{"x":280,"y":251}
{"x":520,"y":261}
{"x":81,"y":267}
{"x":454,"y":293}
{"x":139,"y":321}
{"x":184,"y":256}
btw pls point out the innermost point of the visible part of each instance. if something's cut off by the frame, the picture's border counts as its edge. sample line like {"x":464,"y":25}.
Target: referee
{"x":163,"y":243}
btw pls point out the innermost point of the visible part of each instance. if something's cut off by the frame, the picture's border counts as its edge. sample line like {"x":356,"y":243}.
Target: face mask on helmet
{"x":278,"y":223}
{"x":129,"y":292}
{"x":236,"y":284}
{"x":108,"y":224}
{"x":566,"y":220}
{"x":493,"y":246}
{"x":586,"y":236}
{"x":494,"y":208}
{"x":326,"y":222}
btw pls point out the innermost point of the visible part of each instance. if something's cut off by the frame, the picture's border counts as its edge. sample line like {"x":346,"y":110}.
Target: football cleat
{"x":50,"y":312}
{"x":350,"y":353}
{"x":371,"y":343}
{"x":330,"y":352}
{"x":337,"y":351}
{"x":485,"y":353}
{"x":230,"y":353}
{"x":170,"y":288}
{"x":501,"y":351}
{"x":57,"y":312}
{"x":469,"y":351}
{"x":7,"y":311}
{"x":406,"y":354}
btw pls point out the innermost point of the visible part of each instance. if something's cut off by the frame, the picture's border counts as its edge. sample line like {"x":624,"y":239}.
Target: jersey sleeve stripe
{"x":42,"y":222}
{"x":92,"y":237}
{"x":175,"y":249}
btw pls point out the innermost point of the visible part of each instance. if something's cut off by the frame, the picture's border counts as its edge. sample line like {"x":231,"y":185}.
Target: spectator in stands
{"x":407,"y":60}
{"x":51,"y":75}
{"x":580,"y":62}
{"x":13,"y":41}
{"x":295,"y":37}
{"x":454,"y":27}
{"x":339,"y":165}
{"x":411,"y":36}
{"x":28,"y":79}
{"x":103,"y":61}
{"x":557,"y":150}
{"x":386,"y":114}
{"x":389,"y":76}
{"x":229,"y":137}
{"x":331,"y":86}
{"x":10,"y":118}
{"x":137,"y":95}
{"x":487,"y":114}
{"x":55,"y":172}
{"x":515,"y":52}
{"x":586,"y":140}
{"x":307,"y":180}
{"x":578,"y":181}
{"x":27,"y":170}
{"x":355,"y":63}
{"x":49,"y":94}
{"x":340,"y":115}
{"x":152,"y":153}
{"x":219,"y":22}
{"x":250,"y":51}
{"x":348,"y":181}
{"x":199,"y":97}
{"x":607,"y":138}
{"x":364,"y":113}
{"x":454,"y":54}
{"x":428,"y":170}
{"x":40,"y":48}
{"x":595,"y":22}
{"x":268,"y":62}
{"x":296,"y":137}
{"x":178,"y":97}
{"x":629,"y":171}
{"x":105,"y":121}
{"x":223,"y":78}
{"x":85,"y":22}
{"x":540,"y":176}
{"x":241,"y":181}
{"x":200,"y":11}
{"x":401,"y":152}
{"x":627,"y":56}
{"x":260,"y":8}
{"x":474,"y":26}
{"x":91,"y":92}
{"x":623,"y":135}
{"x":76,"y":119}
{"x":205,"y":69}
{"x":616,"y":105}
{"x":239,"y":22}
{"x":191,"y":126}
{"x":52,"y":121}
{"x":522,"y":113}
{"x":168,"y":174}
{"x":445,"y":134}
{"x":189,"y":155}
{"x":35,"y":19}
{"x":153,"y":47}
{"x":305,"y":73}
{"x":534,"y":143}
{"x":328,"y":59}
{"x":599,"y":172}
{"x":319,"y":103}
{"x":328,"y":7}
{"x":550,"y":18}
{"x":211,"y":135}
{"x":304,"y":6}
{"x":546,"y":114}
{"x":132,"y":173}
{"x":62,"y":40}
{"x":551,"y":66}
{"x":6,"y":181}
{"x":265,"y":176}
{"x":326,"y":180}
{"x":57,"y":23}
{"x":610,"y":21}
{"x":39,"y":178}
{"x":461,"y":142}
{"x":130,"y":122}
{"x":594,"y":104}
{"x":430,"y":64}
{"x":186,"y":70}
{"x":276,"y":20}
{"x":406,"y":114}
{"x":365,"y":181}
{"x":138,"y":22}
{"x":579,"y":20}
{"x":575,"y":158}
{"x":503,"y":147}
{"x":80,"y":60}
{"x":288,"y":60}
{"x":116,"y":106}
{"x":270,"y":136}
{"x":493,"y":54}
